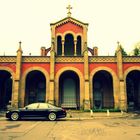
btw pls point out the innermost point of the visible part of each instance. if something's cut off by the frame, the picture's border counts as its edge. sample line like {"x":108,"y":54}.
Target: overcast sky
{"x":29,"y":21}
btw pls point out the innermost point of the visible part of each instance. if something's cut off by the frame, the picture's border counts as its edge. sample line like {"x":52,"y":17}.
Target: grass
{"x":105,"y":110}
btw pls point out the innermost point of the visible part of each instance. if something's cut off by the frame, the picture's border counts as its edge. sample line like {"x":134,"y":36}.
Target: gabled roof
{"x":69,"y":19}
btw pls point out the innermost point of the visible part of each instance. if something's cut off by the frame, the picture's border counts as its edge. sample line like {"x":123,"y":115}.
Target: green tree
{"x":136,"y":50}
{"x":123,"y":51}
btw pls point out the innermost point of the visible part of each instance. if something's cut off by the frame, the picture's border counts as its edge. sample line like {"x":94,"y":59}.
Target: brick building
{"x":69,"y":76}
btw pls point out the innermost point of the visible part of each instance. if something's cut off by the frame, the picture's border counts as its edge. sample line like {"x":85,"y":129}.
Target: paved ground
{"x":79,"y":127}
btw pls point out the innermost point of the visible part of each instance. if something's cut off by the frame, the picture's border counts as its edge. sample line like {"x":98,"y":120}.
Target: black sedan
{"x":37,"y":110}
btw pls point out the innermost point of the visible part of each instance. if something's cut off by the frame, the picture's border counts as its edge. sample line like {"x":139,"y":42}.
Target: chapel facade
{"x":70,"y":77}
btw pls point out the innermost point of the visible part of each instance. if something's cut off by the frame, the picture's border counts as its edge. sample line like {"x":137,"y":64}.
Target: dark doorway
{"x":5,"y":89}
{"x":35,"y":87}
{"x":69,"y":45}
{"x":69,"y":90}
{"x":103,"y":90}
{"x":133,"y":90}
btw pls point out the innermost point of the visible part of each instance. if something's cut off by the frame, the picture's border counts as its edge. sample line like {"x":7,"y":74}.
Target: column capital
{"x":62,"y":41}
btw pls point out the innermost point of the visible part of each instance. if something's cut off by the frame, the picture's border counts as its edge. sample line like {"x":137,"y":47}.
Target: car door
{"x":30,"y":110}
{"x":42,"y":110}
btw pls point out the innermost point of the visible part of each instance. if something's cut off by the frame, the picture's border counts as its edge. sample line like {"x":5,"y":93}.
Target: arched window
{"x":78,"y":45}
{"x":59,"y":45}
{"x":69,"y":45}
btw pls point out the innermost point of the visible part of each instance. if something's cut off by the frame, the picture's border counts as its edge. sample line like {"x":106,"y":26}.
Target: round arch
{"x":13,"y":78}
{"x":59,"y":34}
{"x":8,"y":70}
{"x":69,"y":32}
{"x":62,"y":38}
{"x":132,"y":96}
{"x":81,"y":80}
{"x":69,"y":47}
{"x":79,"y":45}
{"x":79,"y":34}
{"x":115,"y":84}
{"x":59,"y":45}
{"x":8,"y":94}
{"x":129,"y":70}
{"x":23,"y":82}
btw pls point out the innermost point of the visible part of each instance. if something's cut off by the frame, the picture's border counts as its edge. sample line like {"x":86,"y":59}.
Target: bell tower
{"x":69,"y":40}
{"x":69,"y":36}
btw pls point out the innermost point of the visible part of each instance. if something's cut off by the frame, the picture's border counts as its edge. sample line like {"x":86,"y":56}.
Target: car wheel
{"x":14,"y":116}
{"x":52,"y":116}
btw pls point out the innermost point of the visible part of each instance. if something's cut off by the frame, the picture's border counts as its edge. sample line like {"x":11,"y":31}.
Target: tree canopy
{"x":136,"y":50}
{"x":122,"y":50}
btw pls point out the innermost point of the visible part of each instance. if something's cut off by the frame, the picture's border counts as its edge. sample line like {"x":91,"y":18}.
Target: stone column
{"x":122,"y":96}
{"x":86,"y":79}
{"x":75,"y":43}
{"x":15,"y":103}
{"x":63,"y":41}
{"x":84,"y":39}
{"x":123,"y":101}
{"x":52,"y":69}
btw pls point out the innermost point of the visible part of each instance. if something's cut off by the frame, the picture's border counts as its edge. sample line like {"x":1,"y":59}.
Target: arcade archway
{"x":133,"y":89}
{"x":69,"y":90}
{"x":5,"y":88}
{"x":102,"y":90}
{"x":35,"y":87}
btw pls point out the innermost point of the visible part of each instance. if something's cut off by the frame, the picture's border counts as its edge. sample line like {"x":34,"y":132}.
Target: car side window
{"x":32,"y":106}
{"x":43,"y":106}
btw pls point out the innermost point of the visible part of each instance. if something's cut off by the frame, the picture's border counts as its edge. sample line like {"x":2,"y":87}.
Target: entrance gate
{"x":69,"y":90}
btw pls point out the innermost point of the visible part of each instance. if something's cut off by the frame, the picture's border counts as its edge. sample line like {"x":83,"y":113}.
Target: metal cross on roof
{"x":69,"y":12}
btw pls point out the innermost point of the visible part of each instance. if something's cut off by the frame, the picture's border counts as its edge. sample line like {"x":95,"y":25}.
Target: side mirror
{"x":26,"y":108}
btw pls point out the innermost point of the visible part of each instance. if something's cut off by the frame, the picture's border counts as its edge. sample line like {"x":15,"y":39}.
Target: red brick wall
{"x":46,"y":66}
{"x":112,"y":66}
{"x":128,"y":65}
{"x":79,"y":66}
{"x":12,"y":66}
{"x":69,"y":27}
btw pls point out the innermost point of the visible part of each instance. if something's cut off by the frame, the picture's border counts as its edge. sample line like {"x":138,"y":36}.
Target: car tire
{"x":52,"y":116}
{"x":14,"y":116}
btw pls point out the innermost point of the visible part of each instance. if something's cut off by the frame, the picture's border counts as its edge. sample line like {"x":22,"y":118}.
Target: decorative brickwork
{"x":35,"y":59}
{"x":102,"y":59}
{"x":69,"y":59}
{"x":8,"y":59}
{"x":131,"y":59}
